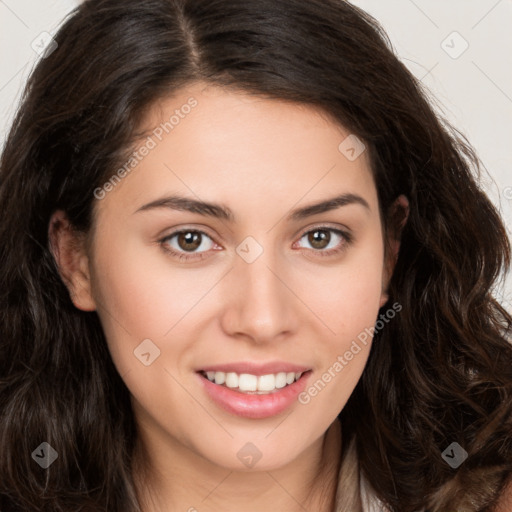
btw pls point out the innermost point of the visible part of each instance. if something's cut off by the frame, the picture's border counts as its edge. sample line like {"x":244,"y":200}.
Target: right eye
{"x":183,"y":244}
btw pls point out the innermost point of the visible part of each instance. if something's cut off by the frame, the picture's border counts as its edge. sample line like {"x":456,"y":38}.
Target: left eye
{"x":321,"y":238}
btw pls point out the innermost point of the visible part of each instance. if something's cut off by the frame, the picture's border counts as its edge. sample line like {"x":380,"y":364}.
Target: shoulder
{"x":369,"y":500}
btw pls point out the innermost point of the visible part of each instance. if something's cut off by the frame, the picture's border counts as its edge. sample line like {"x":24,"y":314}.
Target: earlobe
{"x":383,"y":299}
{"x":68,"y":249}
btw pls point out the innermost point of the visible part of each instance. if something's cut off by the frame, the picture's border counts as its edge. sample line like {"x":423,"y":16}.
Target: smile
{"x":253,"y":391}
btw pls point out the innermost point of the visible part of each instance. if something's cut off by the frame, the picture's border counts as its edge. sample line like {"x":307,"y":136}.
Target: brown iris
{"x":189,"y":240}
{"x":318,"y":238}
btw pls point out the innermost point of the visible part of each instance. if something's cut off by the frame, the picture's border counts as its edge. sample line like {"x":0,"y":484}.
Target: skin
{"x":261,"y":158}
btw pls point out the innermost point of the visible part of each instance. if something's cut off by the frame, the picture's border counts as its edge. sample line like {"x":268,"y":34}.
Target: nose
{"x":258,"y":300}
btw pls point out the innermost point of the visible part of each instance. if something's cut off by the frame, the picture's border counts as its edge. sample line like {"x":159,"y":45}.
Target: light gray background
{"x":472,"y":88}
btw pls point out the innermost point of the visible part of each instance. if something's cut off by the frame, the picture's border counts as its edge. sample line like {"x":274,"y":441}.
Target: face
{"x":260,"y":292}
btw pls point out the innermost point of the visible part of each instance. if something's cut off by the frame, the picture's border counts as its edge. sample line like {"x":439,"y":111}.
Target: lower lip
{"x":253,"y":405}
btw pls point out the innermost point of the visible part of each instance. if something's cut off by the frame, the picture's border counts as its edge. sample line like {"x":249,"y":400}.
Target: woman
{"x":245,"y":266}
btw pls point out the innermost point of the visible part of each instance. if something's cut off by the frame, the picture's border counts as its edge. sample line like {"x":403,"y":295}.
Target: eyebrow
{"x":176,"y":202}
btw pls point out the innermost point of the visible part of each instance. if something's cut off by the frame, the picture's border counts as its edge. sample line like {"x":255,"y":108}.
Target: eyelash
{"x":201,"y":255}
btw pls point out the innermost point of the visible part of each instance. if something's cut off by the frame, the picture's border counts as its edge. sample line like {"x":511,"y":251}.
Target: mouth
{"x":254,"y":392}
{"x":252,"y":384}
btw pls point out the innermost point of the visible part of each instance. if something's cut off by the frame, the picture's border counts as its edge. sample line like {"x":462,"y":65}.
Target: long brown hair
{"x":440,"y":372}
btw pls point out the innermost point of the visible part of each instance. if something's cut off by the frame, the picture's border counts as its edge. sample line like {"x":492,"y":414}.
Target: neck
{"x":184,"y":481}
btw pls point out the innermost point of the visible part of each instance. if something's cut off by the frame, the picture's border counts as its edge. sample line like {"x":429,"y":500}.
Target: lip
{"x":254,"y":406}
{"x":255,"y":368}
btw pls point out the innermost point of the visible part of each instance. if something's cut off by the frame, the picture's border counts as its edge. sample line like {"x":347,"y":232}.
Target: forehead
{"x":227,"y":146}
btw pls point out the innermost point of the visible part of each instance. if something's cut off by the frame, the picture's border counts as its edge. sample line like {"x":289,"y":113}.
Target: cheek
{"x":136,"y":296}
{"x":142,"y":286}
{"x":347,"y":301}
{"x":347,"y":296}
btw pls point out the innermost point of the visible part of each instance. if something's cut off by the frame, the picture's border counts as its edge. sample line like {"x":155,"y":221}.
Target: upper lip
{"x":256,"y":368}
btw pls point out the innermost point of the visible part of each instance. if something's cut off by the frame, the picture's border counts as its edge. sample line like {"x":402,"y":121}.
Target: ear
{"x":397,"y":218}
{"x":69,"y":251}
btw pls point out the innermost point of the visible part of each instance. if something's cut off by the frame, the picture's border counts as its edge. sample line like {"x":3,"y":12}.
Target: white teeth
{"x":280,"y":380}
{"x":266,"y":382}
{"x":247,"y":382}
{"x":219,"y":377}
{"x":231,"y":380}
